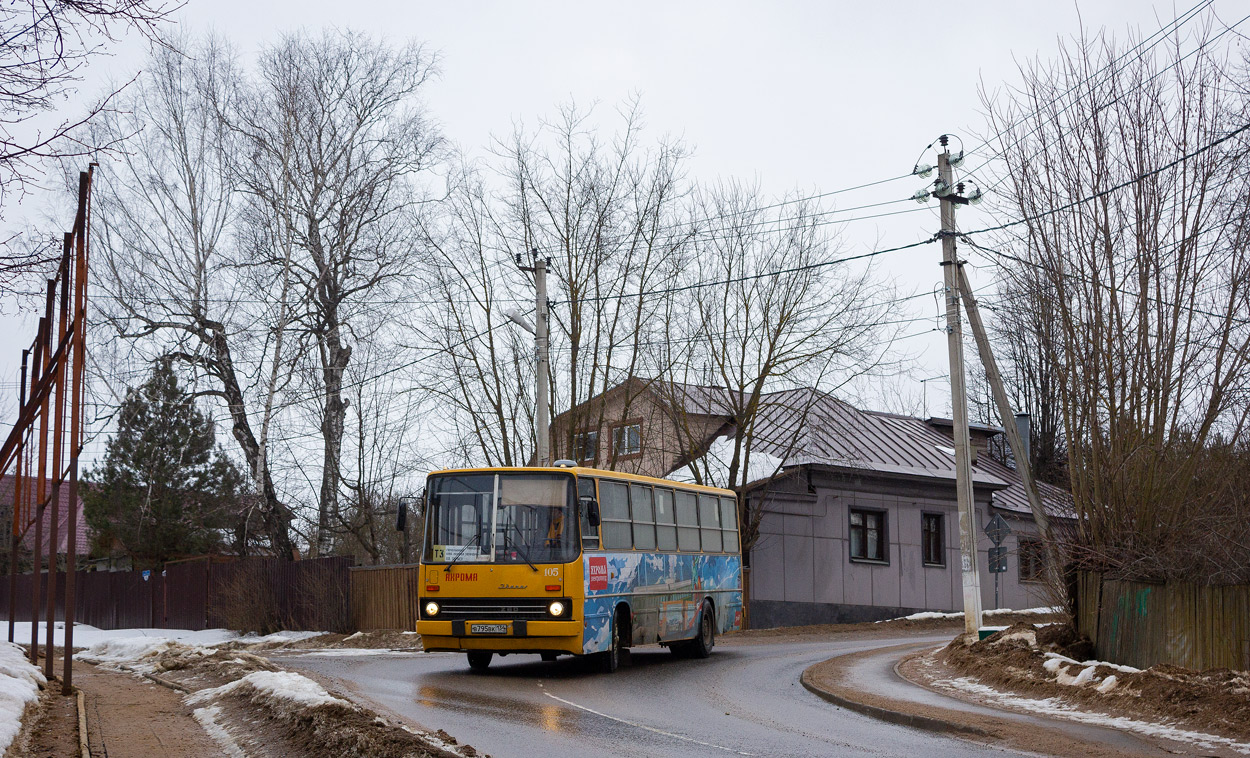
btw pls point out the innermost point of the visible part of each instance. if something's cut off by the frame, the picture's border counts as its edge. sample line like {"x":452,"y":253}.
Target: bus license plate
{"x":488,"y":628}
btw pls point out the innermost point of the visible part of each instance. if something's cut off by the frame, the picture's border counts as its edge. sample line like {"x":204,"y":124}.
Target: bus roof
{"x":587,"y":471}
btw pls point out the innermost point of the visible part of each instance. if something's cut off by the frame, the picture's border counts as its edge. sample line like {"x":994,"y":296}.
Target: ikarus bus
{"x":567,"y":560}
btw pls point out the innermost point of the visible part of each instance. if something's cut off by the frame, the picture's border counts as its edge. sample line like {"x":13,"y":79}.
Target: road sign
{"x":998,"y":560}
{"x":997,"y":529}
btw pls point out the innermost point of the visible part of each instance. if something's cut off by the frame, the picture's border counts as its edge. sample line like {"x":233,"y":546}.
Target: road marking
{"x":644,"y":726}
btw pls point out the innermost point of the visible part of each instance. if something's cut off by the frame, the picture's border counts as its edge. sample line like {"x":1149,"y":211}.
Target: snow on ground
{"x":1056,"y":707}
{"x":927,"y":615}
{"x":87,"y":636}
{"x":19,"y":684}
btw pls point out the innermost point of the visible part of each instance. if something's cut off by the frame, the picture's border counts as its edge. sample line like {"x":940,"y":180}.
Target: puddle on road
{"x":546,"y":716}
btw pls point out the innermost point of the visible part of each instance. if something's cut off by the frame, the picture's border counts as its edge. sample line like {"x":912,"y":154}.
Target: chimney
{"x":1023,"y":425}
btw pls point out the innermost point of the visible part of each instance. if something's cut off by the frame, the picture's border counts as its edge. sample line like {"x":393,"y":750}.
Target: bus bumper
{"x":521,"y":636}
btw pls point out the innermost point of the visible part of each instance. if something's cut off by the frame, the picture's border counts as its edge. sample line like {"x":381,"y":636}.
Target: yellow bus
{"x":567,"y":560}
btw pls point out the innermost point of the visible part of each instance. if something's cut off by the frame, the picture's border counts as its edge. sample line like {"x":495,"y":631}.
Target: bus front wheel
{"x":610,"y":659}
{"x":479,"y":661}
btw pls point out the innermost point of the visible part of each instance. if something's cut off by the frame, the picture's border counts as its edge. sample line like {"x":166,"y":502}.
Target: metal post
{"x":58,"y":442}
{"x":544,"y":360}
{"x":959,"y":403}
{"x":41,"y":482}
{"x":78,"y":346}
{"x":18,"y":496}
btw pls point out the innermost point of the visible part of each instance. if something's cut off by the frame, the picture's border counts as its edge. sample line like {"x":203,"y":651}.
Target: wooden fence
{"x":251,"y":593}
{"x":385,"y":597}
{"x":1140,"y":624}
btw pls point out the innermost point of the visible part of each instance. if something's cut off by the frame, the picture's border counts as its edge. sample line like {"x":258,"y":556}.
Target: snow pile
{"x":1060,"y":666}
{"x":20,"y":683}
{"x":125,"y":650}
{"x":286,"y":686}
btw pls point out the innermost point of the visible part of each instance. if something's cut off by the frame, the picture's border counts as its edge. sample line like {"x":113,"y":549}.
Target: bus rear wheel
{"x":701,"y":646}
{"x":479,"y":660}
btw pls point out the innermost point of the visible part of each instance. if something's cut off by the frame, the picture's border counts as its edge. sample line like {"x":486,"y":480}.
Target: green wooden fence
{"x":1140,"y":624}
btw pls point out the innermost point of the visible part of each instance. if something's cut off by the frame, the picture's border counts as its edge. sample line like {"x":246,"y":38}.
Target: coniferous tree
{"x":165,"y":490}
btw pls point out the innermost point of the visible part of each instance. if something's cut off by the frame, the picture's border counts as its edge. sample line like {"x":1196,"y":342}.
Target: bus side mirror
{"x":591,"y":506}
{"x":401,"y":521}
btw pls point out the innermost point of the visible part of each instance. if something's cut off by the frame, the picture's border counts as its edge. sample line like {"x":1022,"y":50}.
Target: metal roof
{"x":809,"y":427}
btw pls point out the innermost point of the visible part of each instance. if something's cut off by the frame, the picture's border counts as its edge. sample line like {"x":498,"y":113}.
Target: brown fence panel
{"x":185,"y":594}
{"x":1140,"y":624}
{"x":266,"y":594}
{"x":385,"y":597}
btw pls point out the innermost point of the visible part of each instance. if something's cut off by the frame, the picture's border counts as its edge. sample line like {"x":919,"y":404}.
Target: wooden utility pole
{"x":1018,"y":448}
{"x":959,"y":399}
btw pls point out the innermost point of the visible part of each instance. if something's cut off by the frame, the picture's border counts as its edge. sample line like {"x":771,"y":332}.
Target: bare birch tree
{"x":334,"y":139}
{"x":164,"y":214}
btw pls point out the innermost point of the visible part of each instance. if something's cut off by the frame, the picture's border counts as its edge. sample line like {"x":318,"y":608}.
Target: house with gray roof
{"x":855,"y":510}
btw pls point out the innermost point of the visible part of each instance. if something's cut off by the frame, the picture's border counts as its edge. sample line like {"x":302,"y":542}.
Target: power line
{"x":1122,"y":185}
{"x":752,"y":277}
{"x":1110,"y":67}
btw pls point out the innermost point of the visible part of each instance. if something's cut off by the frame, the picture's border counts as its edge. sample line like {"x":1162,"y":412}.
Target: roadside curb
{"x":901,"y":718}
{"x":83,"y":742}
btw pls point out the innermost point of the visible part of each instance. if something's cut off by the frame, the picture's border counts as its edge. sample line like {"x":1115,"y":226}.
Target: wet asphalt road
{"x":744,"y":700}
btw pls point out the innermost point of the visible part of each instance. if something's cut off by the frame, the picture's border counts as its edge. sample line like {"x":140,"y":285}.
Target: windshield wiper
{"x":461,"y":554}
{"x":518,"y":547}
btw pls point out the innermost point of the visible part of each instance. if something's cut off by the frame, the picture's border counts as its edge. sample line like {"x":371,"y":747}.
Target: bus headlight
{"x":431,"y":608}
{"x":556,"y":608}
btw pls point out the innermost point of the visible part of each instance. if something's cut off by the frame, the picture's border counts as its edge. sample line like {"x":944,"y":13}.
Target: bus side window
{"x":665,"y":531}
{"x":709,"y":520}
{"x":687,"y":523}
{"x":590,"y":534}
{"x":729,"y":523}
{"x":614,"y":506}
{"x":643,"y":511}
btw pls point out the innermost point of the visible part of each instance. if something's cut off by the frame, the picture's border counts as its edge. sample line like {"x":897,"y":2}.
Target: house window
{"x":585,"y":446}
{"x":1031,"y":558}
{"x":867,"y":535}
{"x":932,"y":547}
{"x":626,"y":440}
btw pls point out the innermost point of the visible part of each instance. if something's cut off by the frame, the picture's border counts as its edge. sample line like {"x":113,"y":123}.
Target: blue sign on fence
{"x":147,"y":574}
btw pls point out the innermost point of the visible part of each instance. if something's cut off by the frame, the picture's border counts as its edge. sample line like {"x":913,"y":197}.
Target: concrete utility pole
{"x":959,"y":399}
{"x":542,"y":454}
{"x":544,"y":360}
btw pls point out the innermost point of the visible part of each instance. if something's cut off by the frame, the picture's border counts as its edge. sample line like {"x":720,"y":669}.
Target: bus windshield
{"x":501,"y":518}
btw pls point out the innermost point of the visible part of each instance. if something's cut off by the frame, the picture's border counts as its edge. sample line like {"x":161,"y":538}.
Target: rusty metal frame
{"x":55,"y":378}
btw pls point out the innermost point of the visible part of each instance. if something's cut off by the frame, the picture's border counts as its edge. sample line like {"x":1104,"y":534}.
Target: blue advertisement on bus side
{"x":664,"y":592}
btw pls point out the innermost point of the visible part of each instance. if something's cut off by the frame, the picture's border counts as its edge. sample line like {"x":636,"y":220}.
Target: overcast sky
{"x":808,"y":96}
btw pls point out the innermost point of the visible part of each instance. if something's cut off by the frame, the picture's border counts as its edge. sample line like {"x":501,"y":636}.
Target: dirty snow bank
{"x":20,"y":683}
{"x":279,"y":685}
{"x":300,"y":716}
{"x":1054,"y":706}
{"x":1051,"y":669}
